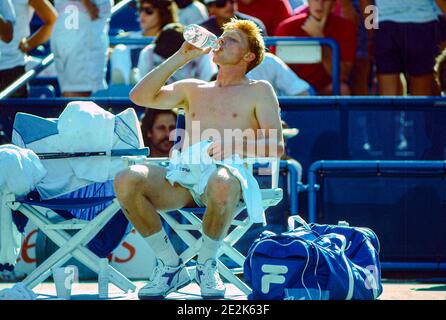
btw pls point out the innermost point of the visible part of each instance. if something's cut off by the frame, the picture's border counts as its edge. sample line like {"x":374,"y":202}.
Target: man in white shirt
{"x":284,"y":81}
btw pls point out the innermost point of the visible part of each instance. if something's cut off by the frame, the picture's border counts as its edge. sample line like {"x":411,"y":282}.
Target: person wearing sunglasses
{"x":221,"y":12}
{"x":153,"y":15}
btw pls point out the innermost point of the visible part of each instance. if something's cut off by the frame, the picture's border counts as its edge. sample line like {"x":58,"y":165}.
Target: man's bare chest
{"x":222,"y":107}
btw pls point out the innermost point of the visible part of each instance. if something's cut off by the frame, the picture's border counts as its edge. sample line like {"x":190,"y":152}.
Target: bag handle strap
{"x":292,"y":222}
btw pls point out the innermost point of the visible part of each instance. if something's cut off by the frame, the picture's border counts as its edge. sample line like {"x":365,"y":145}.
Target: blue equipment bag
{"x":315,"y":262}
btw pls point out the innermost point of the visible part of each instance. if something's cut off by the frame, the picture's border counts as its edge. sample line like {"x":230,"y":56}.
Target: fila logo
{"x":273,"y":274}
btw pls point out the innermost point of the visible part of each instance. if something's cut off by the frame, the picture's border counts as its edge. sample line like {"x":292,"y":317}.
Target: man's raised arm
{"x":150,"y":91}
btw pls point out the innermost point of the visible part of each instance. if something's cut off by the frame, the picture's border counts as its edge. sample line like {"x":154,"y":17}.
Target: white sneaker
{"x":164,"y":280}
{"x":208,"y":278}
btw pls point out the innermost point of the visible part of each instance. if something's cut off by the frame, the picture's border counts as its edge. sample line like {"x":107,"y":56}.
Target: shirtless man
{"x":231,"y":102}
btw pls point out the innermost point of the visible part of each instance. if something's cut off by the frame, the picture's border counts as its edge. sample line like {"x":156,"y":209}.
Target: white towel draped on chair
{"x":84,"y":127}
{"x":20,"y":172}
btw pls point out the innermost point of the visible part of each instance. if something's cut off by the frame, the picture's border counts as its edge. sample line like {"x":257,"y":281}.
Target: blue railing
{"x":404,"y":168}
{"x":428,"y":225}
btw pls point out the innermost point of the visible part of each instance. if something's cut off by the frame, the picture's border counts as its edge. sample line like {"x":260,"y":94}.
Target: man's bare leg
{"x":141,"y":191}
{"x":221,"y":196}
{"x":389,"y":84}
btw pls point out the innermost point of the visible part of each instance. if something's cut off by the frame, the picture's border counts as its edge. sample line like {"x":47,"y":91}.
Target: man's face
{"x":159,"y":135}
{"x":320,"y":8}
{"x":223,"y":9}
{"x":233,"y":47}
{"x":149,"y":17}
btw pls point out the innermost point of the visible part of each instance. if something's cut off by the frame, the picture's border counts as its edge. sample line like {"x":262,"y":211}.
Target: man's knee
{"x":223,"y":189}
{"x":129,"y":181}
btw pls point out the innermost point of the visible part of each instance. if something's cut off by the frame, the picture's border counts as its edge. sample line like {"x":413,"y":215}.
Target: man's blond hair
{"x":255,"y":39}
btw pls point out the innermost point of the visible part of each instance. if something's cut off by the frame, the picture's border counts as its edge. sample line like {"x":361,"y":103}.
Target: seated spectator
{"x":397,"y":53}
{"x":354,"y":10}
{"x":153,"y":16}
{"x":284,"y":81}
{"x":221,"y":12}
{"x":166,"y":44}
{"x":320,"y":22}
{"x":270,"y":12}
{"x":191,"y":11}
{"x":80,"y":46}
{"x":13,"y":54}
{"x":156,"y":127}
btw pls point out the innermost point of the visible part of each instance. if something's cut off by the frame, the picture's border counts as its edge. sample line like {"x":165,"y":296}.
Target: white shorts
{"x":80,"y":54}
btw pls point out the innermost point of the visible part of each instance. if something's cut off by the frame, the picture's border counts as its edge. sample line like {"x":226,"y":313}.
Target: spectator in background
{"x":191,"y":11}
{"x":406,"y":43}
{"x":156,"y":127}
{"x":166,"y":44}
{"x":284,"y":81}
{"x":270,"y":12}
{"x":7,"y":20}
{"x":80,"y":44}
{"x":153,"y":16}
{"x":221,"y":11}
{"x":320,"y":22}
{"x":13,"y":54}
{"x":355,"y":11}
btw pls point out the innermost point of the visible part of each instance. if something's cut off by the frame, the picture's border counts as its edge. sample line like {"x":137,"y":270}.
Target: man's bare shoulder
{"x":261,"y":84}
{"x":263,"y":88}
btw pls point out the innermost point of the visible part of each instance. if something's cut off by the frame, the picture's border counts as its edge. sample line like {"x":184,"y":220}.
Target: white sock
{"x":162,"y":246}
{"x":209,"y":249}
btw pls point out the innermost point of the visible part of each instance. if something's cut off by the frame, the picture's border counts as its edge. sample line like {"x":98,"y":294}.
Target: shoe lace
{"x":157,"y":273}
{"x":211,"y":277}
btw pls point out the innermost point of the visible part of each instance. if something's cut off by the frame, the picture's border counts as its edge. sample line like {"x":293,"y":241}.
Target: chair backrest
{"x":299,"y":52}
{"x":46,"y":91}
{"x":42,"y":136}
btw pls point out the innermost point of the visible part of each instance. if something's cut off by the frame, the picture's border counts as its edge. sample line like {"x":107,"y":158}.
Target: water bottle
{"x":103,"y":278}
{"x":200,"y":37}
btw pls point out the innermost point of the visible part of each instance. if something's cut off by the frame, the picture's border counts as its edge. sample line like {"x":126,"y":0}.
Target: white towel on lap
{"x":193,"y":167}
